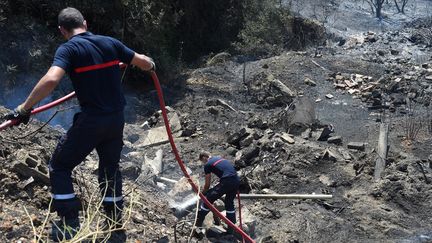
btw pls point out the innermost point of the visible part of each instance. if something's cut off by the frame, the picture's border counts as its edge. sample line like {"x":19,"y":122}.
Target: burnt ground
{"x":372,"y":77}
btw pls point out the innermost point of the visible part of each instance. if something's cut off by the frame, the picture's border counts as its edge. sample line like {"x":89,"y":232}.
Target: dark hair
{"x":70,"y":18}
{"x":204,"y":154}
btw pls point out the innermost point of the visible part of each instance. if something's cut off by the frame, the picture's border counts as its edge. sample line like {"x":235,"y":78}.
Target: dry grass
{"x":95,"y":225}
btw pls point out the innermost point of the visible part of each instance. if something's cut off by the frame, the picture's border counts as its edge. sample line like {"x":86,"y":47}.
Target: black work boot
{"x":64,"y":229}
{"x":68,"y":225}
{"x":198,"y":231}
{"x":114,"y":222}
{"x":232,"y":218}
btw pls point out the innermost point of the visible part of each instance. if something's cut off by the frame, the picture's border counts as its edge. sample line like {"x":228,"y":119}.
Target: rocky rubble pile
{"x":407,"y":66}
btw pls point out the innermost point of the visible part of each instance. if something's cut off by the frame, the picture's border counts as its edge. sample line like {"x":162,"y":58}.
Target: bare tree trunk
{"x":401,"y":8}
{"x":378,"y":6}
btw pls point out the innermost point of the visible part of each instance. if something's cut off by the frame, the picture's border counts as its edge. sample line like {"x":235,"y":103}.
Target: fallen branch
{"x":323,"y":68}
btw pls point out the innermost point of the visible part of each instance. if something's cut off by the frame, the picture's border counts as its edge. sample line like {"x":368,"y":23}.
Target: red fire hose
{"x":48,"y":106}
{"x":182,"y":166}
{"x":171,"y":140}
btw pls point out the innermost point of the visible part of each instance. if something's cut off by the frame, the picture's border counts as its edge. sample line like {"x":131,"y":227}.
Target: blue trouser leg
{"x":72,"y":148}
{"x":87,"y":132}
{"x":227,"y":187}
{"x":110,"y":179}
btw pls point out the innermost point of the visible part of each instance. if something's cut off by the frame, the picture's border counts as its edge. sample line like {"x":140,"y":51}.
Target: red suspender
{"x":97,"y":66}
{"x":217,"y":162}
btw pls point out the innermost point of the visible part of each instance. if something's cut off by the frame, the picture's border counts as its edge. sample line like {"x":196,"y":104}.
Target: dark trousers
{"x":228,"y":187}
{"x":103,"y":132}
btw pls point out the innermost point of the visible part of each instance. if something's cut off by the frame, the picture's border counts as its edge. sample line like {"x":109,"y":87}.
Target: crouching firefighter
{"x":92,"y":62}
{"x":228,"y":185}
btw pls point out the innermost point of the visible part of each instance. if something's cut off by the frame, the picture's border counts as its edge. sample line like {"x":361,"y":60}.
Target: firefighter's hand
{"x":153,"y":68}
{"x":19,"y":114}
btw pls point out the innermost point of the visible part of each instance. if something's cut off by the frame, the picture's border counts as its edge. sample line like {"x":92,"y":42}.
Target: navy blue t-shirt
{"x":92,"y":62}
{"x":222,"y":168}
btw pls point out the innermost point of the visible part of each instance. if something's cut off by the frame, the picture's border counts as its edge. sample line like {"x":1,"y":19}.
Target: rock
{"x":356,"y":145}
{"x":30,"y":165}
{"x":156,"y":162}
{"x":213,"y":110}
{"x":306,"y":134}
{"x":130,"y":170}
{"x":258,"y":123}
{"x":246,"y":156}
{"x":155,"y":136}
{"x":326,"y":181}
{"x":283,"y":88}
{"x":25,"y":183}
{"x":335,"y":140}
{"x":145,"y":125}
{"x":287,"y":138}
{"x":331,"y":155}
{"x":247,"y":141}
{"x":235,"y":138}
{"x":381,"y":52}
{"x":325,"y":133}
{"x":339,"y":77}
{"x":394,"y":52}
{"x":310,"y":82}
{"x":231,"y":151}
{"x":428,"y":77}
{"x":249,"y":221}
{"x":329,"y":96}
{"x":174,"y":121}
{"x":6,"y":226}
{"x":345,"y":154}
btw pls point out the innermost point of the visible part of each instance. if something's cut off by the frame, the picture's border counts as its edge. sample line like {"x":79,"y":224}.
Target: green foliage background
{"x":174,"y":32}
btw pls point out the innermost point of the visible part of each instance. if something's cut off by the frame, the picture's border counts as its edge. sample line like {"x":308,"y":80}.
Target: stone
{"x":155,"y":136}
{"x":356,"y":146}
{"x":381,"y":52}
{"x":235,"y":138}
{"x":283,"y":88}
{"x":247,"y":141}
{"x":174,"y":121}
{"x":287,"y":138}
{"x":130,"y":170}
{"x":306,"y":134}
{"x":213,"y":110}
{"x":331,"y":155}
{"x":258,"y":123}
{"x":345,"y":154}
{"x":325,"y":133}
{"x":247,"y":155}
{"x":145,"y":125}
{"x":335,"y":140}
{"x":155,"y":163}
{"x":394,"y":52}
{"x":428,"y":77}
{"x":326,"y":181}
{"x":29,"y":165}
{"x":231,"y":151}
{"x":339,"y":77}
{"x":310,"y":82}
{"x":329,"y":96}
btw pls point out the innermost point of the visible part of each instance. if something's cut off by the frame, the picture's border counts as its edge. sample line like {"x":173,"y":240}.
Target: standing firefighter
{"x":92,"y":62}
{"x":228,"y":186}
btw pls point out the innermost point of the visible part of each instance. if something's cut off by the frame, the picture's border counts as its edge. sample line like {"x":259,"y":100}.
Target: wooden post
{"x":382,"y":151}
